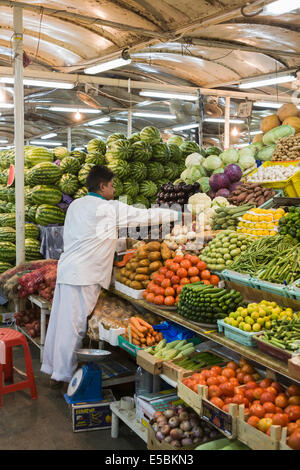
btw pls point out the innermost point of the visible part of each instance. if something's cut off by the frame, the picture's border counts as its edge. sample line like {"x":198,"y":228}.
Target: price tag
{"x":218,"y":418}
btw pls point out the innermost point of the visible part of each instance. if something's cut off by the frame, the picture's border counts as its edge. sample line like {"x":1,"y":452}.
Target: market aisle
{"x":45,"y":423}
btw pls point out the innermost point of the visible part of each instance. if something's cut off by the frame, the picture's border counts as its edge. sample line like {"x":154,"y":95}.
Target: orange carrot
{"x":144,"y":323}
{"x":138,"y":333}
{"x":135,"y":322}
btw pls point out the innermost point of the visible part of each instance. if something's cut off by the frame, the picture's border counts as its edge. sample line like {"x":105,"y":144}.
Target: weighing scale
{"x":86,"y":383}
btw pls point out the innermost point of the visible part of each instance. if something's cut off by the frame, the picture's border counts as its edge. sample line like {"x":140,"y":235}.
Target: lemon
{"x":247,"y":327}
{"x":261,"y":312}
{"x":256,"y":327}
{"x":255,"y":315}
{"x":241,"y":325}
{"x":249,"y":321}
{"x":268,"y":325}
{"x":289,"y":310}
{"x":232,"y":315}
{"x":234,"y":323}
{"x":260,"y":321}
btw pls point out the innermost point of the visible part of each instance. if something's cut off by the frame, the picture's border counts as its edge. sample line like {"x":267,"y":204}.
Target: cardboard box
{"x":92,"y":416}
{"x":151,"y":364}
{"x":147,"y":404}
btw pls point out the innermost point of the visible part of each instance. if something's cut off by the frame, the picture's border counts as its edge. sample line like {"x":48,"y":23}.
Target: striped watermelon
{"x":161,"y":153}
{"x":28,"y":195}
{"x":121,"y":168}
{"x":134,"y":138}
{"x":155,"y":171}
{"x":7,"y":251}
{"x":126,"y":199}
{"x":43,"y":194}
{"x":32,"y":231}
{"x":5,"y":266}
{"x":81,"y":192}
{"x":68,"y":184}
{"x":3,"y":193}
{"x":45,"y":173}
{"x":148,"y":189}
{"x":170,"y":171}
{"x":138,"y":171}
{"x":70,"y":165}
{"x":96,"y":145}
{"x":10,"y":207}
{"x":95,"y":159}
{"x":131,"y":188}
{"x":7,"y":234}
{"x":189,"y":147}
{"x":31,"y":213}
{"x":141,"y":151}
{"x":11,"y":194}
{"x":4,"y":176}
{"x":118,"y":187}
{"x":2,"y":207}
{"x":9,"y":220}
{"x":47,"y":215}
{"x":151,"y":135}
{"x":175,"y":153}
{"x":36,"y":155}
{"x":79,"y":155}
{"x":113,"y":137}
{"x":61,"y":152}
{"x":141,"y":200}
{"x":120,"y":149}
{"x":32,"y":249}
{"x":176,"y":140}
{"x":82,"y":175}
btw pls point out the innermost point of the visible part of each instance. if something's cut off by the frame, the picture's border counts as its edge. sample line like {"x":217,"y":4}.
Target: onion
{"x":160,"y":419}
{"x":187,"y":434}
{"x":165,"y":430}
{"x":197,"y":431}
{"x":175,"y":443}
{"x":197,"y":440}
{"x":176,"y":434}
{"x":185,"y":425}
{"x":162,"y":423}
{"x":157,"y":414}
{"x":159,"y":436}
{"x":174,"y":422}
{"x":183,"y":416}
{"x":155,"y":427}
{"x":167,"y":440}
{"x":168,"y":413}
{"x":194,"y":422}
{"x":186,"y":441}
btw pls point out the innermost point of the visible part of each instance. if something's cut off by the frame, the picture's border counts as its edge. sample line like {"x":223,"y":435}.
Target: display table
{"x":129,"y":418}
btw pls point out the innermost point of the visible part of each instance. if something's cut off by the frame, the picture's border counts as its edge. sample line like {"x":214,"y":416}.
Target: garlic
{"x":191,"y":235}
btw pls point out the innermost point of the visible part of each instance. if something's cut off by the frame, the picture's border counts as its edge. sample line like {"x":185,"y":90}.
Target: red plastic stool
{"x":13,"y":338}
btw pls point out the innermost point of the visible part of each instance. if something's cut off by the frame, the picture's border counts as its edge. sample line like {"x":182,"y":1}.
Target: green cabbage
{"x":265,"y":154}
{"x":229,"y":156}
{"x":194,"y":159}
{"x":218,"y":170}
{"x":246,"y":161}
{"x":204,"y":184}
{"x":248,"y":151}
{"x":273,"y":135}
{"x":191,"y":175}
{"x":212,"y":162}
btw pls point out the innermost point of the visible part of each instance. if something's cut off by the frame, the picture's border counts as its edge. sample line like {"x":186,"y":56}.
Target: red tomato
{"x":213,"y":381}
{"x":169,"y":300}
{"x":187,"y":256}
{"x":186,"y":264}
{"x":269,"y":407}
{"x":214,"y":279}
{"x":181,"y":272}
{"x":201,"y":265}
{"x":175,"y":279}
{"x":178,"y":259}
{"x":195,"y":279}
{"x":175,"y":287}
{"x":249,"y":395}
{"x":158,"y":278}
{"x":179,"y":289}
{"x":257,"y":410}
{"x":291,"y":427}
{"x":169,"y":274}
{"x":168,"y":263}
{"x":222,"y":379}
{"x":162,"y":270}
{"x":247,"y":378}
{"x":166,"y":283}
{"x":227,"y":389}
{"x":251,"y":385}
{"x":294,"y":440}
{"x":267,"y":396}
{"x":281,"y":419}
{"x":174,"y":267}
{"x":238,"y":399}
{"x":228,"y":372}
{"x":278,"y":387}
{"x":240,"y":376}
{"x":265,"y":383}
{"x":253,"y":421}
{"x":226,"y":408}
{"x":257,"y":393}
{"x":205,"y":275}
{"x":281,"y":400}
{"x":232,"y":365}
{"x":194,"y":259}
{"x":234,"y":381}
{"x":150,"y":297}
{"x":159,"y":291}
{"x":184,"y":280}
{"x":159,"y":299}
{"x":293,"y":390}
{"x":216,"y":369}
{"x":217,"y":402}
{"x":177,"y":299}
{"x":206,"y":282}
{"x":247,"y":369}
{"x":272,"y":390}
{"x":294,"y":413}
{"x":169,"y":291}
{"x":214,"y":391}
{"x":193,"y":271}
{"x":294,"y":400}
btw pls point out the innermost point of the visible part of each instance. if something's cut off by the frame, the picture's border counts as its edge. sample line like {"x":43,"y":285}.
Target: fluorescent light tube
{"x":74,"y":110}
{"x":268,"y":81}
{"x":3,"y":141}
{"x":155,"y":115}
{"x":6,"y":105}
{"x":111,"y":64}
{"x":187,"y":126}
{"x":40,"y":142}
{"x":256,"y":132}
{"x":222,"y":120}
{"x":161,"y":94}
{"x":41,"y":83}
{"x":98,"y":121}
{"x":281,"y":6}
{"x":48,"y":136}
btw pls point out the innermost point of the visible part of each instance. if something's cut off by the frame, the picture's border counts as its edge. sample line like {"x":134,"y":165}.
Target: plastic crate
{"x":294,"y":291}
{"x":237,"y":335}
{"x":274,"y":351}
{"x":129,"y":347}
{"x":290,"y":186}
{"x":271,"y":287}
{"x":239,"y":278}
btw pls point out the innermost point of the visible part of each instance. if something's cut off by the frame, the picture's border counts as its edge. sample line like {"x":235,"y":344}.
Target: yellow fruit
{"x":239,"y":319}
{"x":261,"y":321}
{"x":247,"y":327}
{"x":256,"y":327}
{"x":268,"y":325}
{"x":255,"y":316}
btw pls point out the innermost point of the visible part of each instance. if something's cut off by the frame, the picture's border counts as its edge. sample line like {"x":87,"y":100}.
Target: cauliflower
{"x":220,"y":202}
{"x":198,"y":203}
{"x":208,"y":216}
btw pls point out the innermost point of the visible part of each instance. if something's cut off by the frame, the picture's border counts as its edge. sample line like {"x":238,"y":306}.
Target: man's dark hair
{"x":98,"y":174}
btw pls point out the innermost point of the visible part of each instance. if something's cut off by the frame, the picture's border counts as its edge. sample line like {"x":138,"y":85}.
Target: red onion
{"x":175,"y":443}
{"x":167,"y":440}
{"x":159,"y":436}
{"x":197,"y":440}
{"x":176,"y":434}
{"x":165,"y":430}
{"x":157,"y":414}
{"x":155,"y":427}
{"x":197,"y":431}
{"x":183,"y":416}
{"x":162,"y":423}
{"x":185,"y":425}
{"x":168,"y":413}
{"x":174,"y":422}
{"x":186,"y":441}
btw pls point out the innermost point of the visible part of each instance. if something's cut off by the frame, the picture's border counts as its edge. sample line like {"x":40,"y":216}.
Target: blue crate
{"x":272,"y":288}
{"x":237,"y":335}
{"x":239,"y":278}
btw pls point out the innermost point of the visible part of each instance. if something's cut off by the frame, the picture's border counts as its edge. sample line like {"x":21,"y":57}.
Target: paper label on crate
{"x":220,"y":419}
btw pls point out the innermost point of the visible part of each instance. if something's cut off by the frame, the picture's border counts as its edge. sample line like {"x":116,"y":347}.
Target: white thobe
{"x":90,"y":236}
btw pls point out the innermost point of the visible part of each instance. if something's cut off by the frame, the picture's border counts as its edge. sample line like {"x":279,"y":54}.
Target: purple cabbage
{"x":233,"y":186}
{"x":224,"y":192}
{"x":219,"y":181}
{"x":233,"y":172}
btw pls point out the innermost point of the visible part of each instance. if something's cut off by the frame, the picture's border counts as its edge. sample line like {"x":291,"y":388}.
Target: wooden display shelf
{"x":250,"y":353}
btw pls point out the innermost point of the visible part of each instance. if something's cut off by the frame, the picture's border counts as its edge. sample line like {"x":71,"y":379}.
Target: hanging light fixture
{"x":77,"y":116}
{"x":111,"y":64}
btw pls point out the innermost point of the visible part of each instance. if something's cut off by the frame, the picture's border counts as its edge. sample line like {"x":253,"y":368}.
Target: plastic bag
{"x":172,"y":331}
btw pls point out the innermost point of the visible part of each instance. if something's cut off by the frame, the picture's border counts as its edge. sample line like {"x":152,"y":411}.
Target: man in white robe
{"x":90,"y":236}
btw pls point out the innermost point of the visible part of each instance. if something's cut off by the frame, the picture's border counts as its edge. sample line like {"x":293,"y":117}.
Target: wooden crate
{"x":151,"y":364}
{"x":190,"y":397}
{"x":225,"y":422}
{"x":282,"y":444}
{"x":255,"y":439}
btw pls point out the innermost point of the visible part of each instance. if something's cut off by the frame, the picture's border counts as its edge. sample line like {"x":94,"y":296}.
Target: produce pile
{"x":284,"y":268}
{"x":258,"y":222}
{"x":287,"y":148}
{"x":225,"y":384}
{"x":256,"y":317}
{"x":289,"y":223}
{"x":142,"y":333}
{"x":185,"y":238}
{"x":272,"y":173}
{"x":227,"y":217}
{"x":261,"y":252}
{"x":249,"y":193}
{"x":198,"y":361}
{"x":171,"y":194}
{"x":148,"y":259}
{"x":167,"y":283}
{"x":180,"y":426}
{"x":206,"y":304}
{"x":284,"y":334}
{"x":41,"y":281}
{"x":173,"y":350}
{"x":224,"y":249}
{"x":31,"y":320}
{"x":270,"y":403}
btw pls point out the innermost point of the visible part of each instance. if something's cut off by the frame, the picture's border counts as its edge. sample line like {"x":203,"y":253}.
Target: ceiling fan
{"x":88,"y":96}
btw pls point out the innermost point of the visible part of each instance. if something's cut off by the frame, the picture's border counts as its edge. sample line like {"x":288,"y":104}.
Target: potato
{"x":143,"y":270}
{"x":155,"y":266}
{"x":141,"y":277}
{"x":123,"y":271}
{"x":134,"y":266}
{"x":165,"y":251}
{"x":128,"y":282}
{"x":136,"y":285}
{"x":154,"y":256}
{"x":144,"y":262}
{"x":153,"y":246}
{"x":128,"y":266}
{"x":142,"y":253}
{"x":132,"y":276}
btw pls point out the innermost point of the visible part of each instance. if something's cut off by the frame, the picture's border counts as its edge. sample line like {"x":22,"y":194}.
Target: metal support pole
{"x":19,"y":133}
{"x":69,"y":139}
{"x":227,"y":124}
{"x":129,"y":121}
